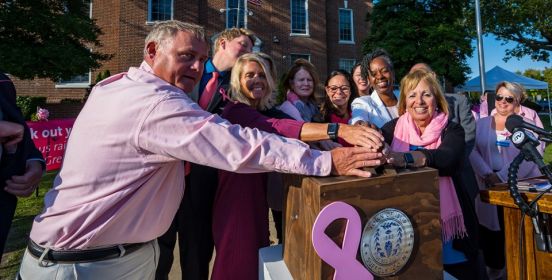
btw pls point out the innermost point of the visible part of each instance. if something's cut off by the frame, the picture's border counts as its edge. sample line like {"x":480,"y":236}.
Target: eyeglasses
{"x":334,"y":89}
{"x":508,"y":99}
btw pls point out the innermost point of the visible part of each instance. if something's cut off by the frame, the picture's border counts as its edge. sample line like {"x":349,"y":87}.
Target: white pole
{"x":481,"y":56}
{"x":548,"y":97}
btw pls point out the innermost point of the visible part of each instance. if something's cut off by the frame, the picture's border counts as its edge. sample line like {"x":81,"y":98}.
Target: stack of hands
{"x":371,"y":151}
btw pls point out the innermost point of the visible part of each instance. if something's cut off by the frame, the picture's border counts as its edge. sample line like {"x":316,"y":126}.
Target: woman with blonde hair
{"x":240,"y":212}
{"x":423,"y":136}
{"x":491,"y":157}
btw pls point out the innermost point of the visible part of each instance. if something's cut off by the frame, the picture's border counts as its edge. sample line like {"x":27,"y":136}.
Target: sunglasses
{"x":508,"y":99}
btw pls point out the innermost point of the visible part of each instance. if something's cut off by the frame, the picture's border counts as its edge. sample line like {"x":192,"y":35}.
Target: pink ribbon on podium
{"x":343,"y":260}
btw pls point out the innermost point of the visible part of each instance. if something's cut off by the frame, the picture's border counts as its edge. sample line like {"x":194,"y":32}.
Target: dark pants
{"x":193,"y":225}
{"x":492,"y":243}
{"x":8,"y":202}
{"x":473,"y":269}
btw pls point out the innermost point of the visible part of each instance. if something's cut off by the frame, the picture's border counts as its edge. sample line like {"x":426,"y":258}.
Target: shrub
{"x":28,"y":105}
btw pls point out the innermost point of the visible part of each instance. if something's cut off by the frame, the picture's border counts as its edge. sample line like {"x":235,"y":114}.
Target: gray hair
{"x":163,"y":32}
{"x":515,"y":88}
{"x":367,"y":59}
{"x":236,"y":93}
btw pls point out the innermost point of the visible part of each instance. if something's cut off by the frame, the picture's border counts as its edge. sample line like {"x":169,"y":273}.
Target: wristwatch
{"x":332,"y":131}
{"x":408,"y":159}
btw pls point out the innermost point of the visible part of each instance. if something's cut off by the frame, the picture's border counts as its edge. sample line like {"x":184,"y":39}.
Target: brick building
{"x":328,"y":33}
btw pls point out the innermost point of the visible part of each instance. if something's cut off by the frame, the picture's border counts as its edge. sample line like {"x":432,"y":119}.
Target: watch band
{"x":333,"y":129}
{"x":408,"y":159}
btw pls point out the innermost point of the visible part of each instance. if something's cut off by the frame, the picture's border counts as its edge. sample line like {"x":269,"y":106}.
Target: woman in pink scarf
{"x":423,"y":136}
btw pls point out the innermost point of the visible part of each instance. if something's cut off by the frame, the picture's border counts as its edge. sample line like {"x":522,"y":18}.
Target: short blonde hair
{"x":233,"y":33}
{"x":515,"y":88}
{"x":411,"y":81}
{"x":163,"y":32}
{"x":236,"y":93}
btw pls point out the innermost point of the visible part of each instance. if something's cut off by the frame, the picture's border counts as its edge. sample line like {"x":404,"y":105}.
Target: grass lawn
{"x":28,"y":208}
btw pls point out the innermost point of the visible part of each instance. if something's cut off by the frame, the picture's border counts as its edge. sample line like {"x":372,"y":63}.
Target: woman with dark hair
{"x":340,"y":92}
{"x":381,"y":106}
{"x":300,"y":84}
{"x":361,"y":82}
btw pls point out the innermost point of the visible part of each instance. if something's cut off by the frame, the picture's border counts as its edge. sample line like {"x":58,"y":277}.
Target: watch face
{"x":332,"y":130}
{"x":387,"y":242}
{"x":408,"y":158}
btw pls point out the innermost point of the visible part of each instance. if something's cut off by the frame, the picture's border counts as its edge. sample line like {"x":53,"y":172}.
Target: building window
{"x":236,"y":13}
{"x":346,"y":64}
{"x":159,"y":10}
{"x":80,"y":81}
{"x":346,"y":26}
{"x":299,"y":17}
{"x":295,"y":56}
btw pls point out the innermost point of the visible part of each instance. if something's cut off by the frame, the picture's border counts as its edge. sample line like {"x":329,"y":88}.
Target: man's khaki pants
{"x":139,"y":264}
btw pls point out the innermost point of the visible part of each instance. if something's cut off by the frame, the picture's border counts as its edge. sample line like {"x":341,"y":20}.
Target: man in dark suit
{"x":194,"y":217}
{"x":21,"y":166}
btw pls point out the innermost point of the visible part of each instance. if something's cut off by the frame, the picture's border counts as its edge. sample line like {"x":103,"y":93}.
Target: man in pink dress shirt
{"x":122,"y":179}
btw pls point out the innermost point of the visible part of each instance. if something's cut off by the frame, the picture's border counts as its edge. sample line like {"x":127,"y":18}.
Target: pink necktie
{"x":209,"y":91}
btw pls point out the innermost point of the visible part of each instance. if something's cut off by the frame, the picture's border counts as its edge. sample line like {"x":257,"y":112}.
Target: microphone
{"x":527,"y":143}
{"x":516,"y":121}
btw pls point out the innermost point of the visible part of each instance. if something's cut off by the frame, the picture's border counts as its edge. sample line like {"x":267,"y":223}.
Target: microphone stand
{"x":528,"y":152}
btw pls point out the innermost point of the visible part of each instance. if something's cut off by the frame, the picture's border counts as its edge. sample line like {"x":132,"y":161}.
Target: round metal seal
{"x":387,"y":242}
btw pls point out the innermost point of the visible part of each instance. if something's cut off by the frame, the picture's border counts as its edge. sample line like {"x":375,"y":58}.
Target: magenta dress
{"x":337,"y":119}
{"x":240,"y":211}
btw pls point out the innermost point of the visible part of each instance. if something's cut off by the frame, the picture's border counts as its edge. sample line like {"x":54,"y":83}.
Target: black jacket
{"x":448,"y":159}
{"x":14,"y":164}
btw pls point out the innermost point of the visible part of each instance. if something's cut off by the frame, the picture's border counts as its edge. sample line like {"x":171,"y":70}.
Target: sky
{"x":494,"y":52}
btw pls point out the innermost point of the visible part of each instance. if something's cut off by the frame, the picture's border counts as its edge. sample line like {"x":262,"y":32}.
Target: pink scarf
{"x":406,"y":134}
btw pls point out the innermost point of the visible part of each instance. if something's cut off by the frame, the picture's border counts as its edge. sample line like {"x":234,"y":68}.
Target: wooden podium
{"x":538,"y":264}
{"x":416,"y":193}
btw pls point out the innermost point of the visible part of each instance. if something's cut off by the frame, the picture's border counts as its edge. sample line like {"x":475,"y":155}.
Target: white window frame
{"x":307,"y":32}
{"x":352,"y":41}
{"x":149,"y":19}
{"x":346,"y":60}
{"x":229,"y":9}
{"x":308,"y":55}
{"x":73,"y":82}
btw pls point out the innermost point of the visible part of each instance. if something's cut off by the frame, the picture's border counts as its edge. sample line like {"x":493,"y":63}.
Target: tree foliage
{"x":432,"y":31}
{"x":527,"y":22}
{"x":48,"y":39}
{"x":541,"y":75}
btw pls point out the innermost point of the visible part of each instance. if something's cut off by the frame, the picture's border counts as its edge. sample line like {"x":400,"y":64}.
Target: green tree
{"x":533,"y":74}
{"x":547,"y":76}
{"x":48,"y":39}
{"x":527,"y":22}
{"x":432,"y":31}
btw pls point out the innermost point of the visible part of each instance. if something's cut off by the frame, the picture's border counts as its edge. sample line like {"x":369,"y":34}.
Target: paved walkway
{"x":176,"y":273}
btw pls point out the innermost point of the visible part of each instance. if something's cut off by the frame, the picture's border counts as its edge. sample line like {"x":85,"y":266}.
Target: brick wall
{"x":64,"y":110}
{"x":124,"y":25}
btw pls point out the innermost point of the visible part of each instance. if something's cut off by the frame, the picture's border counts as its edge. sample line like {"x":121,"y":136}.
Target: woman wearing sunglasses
{"x":491,"y":158}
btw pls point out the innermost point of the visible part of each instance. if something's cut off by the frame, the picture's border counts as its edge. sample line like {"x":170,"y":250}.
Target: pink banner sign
{"x":50,"y":137}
